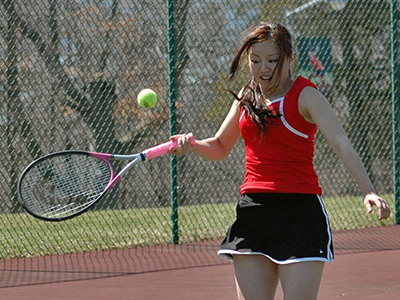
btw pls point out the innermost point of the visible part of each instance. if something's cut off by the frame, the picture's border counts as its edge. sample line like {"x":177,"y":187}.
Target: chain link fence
{"x":71,"y":72}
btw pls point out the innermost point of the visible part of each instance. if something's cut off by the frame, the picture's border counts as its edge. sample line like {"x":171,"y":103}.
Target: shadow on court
{"x":366,"y":266}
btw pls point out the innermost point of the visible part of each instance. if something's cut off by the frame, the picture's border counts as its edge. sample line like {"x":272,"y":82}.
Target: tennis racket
{"x":65,"y":184}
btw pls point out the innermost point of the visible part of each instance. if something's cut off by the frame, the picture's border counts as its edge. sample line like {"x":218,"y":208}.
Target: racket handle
{"x":162,"y":149}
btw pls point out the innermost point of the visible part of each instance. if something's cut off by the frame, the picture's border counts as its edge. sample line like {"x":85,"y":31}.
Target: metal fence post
{"x":396,"y":114}
{"x":172,"y":115}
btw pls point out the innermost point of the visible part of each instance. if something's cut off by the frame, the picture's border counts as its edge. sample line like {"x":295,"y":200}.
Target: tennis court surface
{"x":366,"y":266}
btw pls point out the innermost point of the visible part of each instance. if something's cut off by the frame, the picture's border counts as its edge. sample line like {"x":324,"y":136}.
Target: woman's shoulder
{"x":300,"y":86}
{"x":301,"y":82}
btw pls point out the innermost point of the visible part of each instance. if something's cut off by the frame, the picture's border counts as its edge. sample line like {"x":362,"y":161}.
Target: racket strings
{"x":64,"y":184}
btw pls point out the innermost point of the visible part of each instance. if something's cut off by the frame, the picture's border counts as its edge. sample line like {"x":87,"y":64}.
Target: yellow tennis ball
{"x":147,"y":98}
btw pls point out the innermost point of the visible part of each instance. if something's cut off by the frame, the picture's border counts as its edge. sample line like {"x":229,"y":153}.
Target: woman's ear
{"x":292,"y":64}
{"x":291,"y":59}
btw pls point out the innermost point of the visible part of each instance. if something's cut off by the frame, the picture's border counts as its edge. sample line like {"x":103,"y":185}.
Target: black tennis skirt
{"x":286,"y":228}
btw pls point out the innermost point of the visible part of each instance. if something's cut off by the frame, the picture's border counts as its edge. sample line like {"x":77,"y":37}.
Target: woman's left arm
{"x":315,"y":109}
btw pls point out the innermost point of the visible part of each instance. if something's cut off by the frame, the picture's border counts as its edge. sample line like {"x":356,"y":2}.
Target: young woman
{"x":281,"y":231}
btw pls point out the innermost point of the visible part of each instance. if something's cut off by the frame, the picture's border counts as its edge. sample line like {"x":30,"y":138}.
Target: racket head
{"x":62,"y":185}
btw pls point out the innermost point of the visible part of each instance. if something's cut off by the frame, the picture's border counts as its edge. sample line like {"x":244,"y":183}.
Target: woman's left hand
{"x":373,"y":199}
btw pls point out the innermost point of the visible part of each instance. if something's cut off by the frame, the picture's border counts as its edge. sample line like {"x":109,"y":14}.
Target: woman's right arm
{"x":217,"y":147}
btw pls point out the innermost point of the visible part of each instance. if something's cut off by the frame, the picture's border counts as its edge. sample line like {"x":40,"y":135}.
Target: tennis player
{"x":281,"y":231}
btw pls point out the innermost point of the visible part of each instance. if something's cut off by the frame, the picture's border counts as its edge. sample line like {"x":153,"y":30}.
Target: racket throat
{"x":113,"y":181}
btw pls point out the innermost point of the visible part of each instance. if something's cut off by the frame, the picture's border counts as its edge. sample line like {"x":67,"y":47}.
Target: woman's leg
{"x":256,"y":277}
{"x":300,"y":281}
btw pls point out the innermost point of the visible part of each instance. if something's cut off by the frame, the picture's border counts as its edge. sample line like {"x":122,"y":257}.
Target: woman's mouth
{"x":266,"y":78}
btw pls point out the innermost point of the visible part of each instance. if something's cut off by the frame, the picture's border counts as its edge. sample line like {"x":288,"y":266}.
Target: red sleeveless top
{"x":282,"y":161}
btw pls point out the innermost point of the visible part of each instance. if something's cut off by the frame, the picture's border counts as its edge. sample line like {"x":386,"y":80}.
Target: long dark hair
{"x":251,"y":96}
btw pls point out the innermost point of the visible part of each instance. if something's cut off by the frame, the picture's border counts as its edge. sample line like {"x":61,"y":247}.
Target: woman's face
{"x":263,"y":59}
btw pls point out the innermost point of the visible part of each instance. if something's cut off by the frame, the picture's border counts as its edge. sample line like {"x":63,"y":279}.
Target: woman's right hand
{"x":183,"y":144}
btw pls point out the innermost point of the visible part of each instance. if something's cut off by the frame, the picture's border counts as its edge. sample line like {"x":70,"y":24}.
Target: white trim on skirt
{"x":227,"y":254}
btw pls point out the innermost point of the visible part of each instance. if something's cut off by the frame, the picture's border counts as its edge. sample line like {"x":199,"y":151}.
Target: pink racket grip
{"x":164,"y":148}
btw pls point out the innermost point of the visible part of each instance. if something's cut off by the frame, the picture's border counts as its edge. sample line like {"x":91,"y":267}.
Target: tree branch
{"x":50,"y":57}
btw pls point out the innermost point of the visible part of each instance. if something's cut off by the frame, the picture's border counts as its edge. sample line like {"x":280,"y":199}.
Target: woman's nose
{"x":265,"y":66}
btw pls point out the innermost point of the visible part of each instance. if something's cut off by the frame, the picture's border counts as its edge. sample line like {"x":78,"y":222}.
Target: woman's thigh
{"x":256,"y":277}
{"x":301,"y":280}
